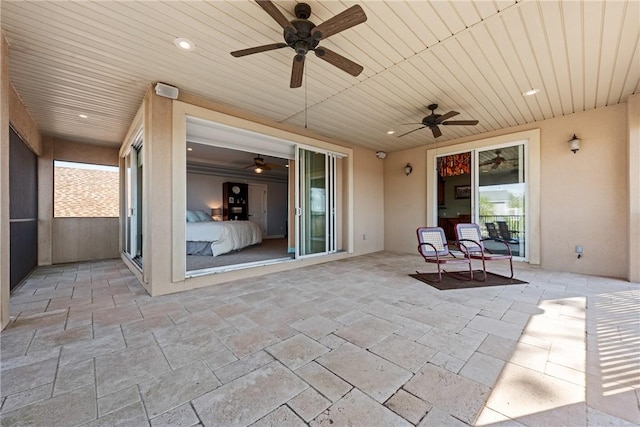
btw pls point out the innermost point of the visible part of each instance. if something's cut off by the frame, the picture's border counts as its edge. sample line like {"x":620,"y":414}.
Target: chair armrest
{"x":428,"y":244}
{"x":465,"y":250}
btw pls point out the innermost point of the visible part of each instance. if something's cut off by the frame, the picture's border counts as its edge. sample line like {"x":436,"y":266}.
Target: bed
{"x":219,"y":237}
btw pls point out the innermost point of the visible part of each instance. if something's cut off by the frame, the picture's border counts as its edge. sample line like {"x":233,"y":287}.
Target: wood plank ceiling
{"x":476,"y":57}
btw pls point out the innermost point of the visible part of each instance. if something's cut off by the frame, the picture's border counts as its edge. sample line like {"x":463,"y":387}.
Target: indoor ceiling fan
{"x":497,"y":161}
{"x":259,"y":165}
{"x":433,"y":120}
{"x":303,"y":35}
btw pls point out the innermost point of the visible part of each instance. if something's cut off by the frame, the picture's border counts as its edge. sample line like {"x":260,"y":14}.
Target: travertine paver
{"x":404,"y":352}
{"x":326,"y":382}
{"x":352,"y":342}
{"x":367,"y":331}
{"x":183,"y":415}
{"x":281,"y":417}
{"x":297,"y":351}
{"x":316,"y":327}
{"x":460,"y":397}
{"x":174,"y":388}
{"x":358,"y":406}
{"x":123,"y":368}
{"x":73,"y":408}
{"x":249,"y":398}
{"x":370,"y":373}
{"x":408,"y":406}
{"x":309,"y":404}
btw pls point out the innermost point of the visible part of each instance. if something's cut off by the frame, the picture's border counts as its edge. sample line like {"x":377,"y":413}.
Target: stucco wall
{"x":584,"y":196}
{"x":368,"y":201}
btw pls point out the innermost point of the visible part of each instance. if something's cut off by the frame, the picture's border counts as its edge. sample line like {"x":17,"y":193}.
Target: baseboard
{"x":275,"y":236}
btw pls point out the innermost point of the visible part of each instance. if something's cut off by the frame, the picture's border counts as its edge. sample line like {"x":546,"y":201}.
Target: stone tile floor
{"x":355,"y":342}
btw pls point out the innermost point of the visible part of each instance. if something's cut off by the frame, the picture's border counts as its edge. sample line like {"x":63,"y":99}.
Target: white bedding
{"x":225,"y":236}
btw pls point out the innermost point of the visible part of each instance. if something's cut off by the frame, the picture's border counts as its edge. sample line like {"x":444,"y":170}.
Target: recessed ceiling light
{"x":83,"y":116}
{"x":184,"y":44}
{"x":189,"y":149}
{"x":530,"y":92}
{"x":391,"y":132}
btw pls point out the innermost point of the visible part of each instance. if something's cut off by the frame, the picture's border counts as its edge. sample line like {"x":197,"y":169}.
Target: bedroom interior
{"x":227,"y":188}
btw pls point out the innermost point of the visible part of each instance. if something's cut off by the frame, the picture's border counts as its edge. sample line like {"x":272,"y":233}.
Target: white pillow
{"x":192,"y":217}
{"x":203,"y":216}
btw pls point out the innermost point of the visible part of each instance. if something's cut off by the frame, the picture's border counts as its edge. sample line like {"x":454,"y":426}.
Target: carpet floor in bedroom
{"x":268,"y":249}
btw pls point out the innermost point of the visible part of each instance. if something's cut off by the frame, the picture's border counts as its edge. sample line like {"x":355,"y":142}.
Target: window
{"x":85,"y":190}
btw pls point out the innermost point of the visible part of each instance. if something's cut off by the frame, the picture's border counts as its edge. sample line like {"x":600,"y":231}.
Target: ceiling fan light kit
{"x":259,"y":165}
{"x":302,"y":35}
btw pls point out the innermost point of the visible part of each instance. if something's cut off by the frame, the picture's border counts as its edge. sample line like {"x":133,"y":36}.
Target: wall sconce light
{"x":408,"y":169}
{"x":381,"y":154}
{"x":574,"y":143}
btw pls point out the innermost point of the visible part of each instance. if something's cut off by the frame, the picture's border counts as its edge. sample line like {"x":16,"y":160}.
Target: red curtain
{"x":455,"y":164}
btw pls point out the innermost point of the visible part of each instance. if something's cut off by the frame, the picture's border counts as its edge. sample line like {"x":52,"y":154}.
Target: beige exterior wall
{"x":633,"y":117}
{"x":583,"y":196}
{"x":23,"y":123}
{"x":368,"y":201}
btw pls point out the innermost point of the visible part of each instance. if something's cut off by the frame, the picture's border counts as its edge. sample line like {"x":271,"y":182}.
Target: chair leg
{"x":439,"y":273}
{"x":511,"y":265}
{"x":484,"y":270}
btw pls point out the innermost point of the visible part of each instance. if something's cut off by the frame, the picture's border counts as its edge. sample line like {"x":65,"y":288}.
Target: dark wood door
{"x":23,"y":209}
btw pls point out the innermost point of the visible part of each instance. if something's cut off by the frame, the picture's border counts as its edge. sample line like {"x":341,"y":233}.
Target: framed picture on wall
{"x":231,"y":200}
{"x":462,"y":191}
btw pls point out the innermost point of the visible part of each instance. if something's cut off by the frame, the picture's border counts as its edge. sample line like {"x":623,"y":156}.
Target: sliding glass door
{"x":486,"y":186}
{"x":315,"y":203}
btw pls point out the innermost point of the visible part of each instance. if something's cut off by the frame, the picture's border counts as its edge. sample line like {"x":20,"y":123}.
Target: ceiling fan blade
{"x":347,"y":19}
{"x":339,"y":61}
{"x":487,"y":163}
{"x":436,"y":131}
{"x":258,"y":49}
{"x":446,"y":116}
{"x":460,"y":123}
{"x":297,"y":71}
{"x":275,"y":13}
{"x":407,"y":133}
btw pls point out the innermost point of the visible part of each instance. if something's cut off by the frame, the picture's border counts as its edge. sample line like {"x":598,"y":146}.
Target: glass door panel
{"x":501,"y":196}
{"x":315,"y":201}
{"x":133,"y":203}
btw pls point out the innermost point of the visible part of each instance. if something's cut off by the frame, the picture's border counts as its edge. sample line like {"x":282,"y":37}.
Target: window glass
{"x":85,"y":190}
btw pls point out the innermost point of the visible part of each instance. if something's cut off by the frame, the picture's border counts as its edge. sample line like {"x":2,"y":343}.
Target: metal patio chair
{"x":432,"y":245}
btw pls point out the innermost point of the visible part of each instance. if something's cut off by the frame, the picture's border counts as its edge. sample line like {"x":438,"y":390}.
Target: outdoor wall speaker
{"x":167,"y":91}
